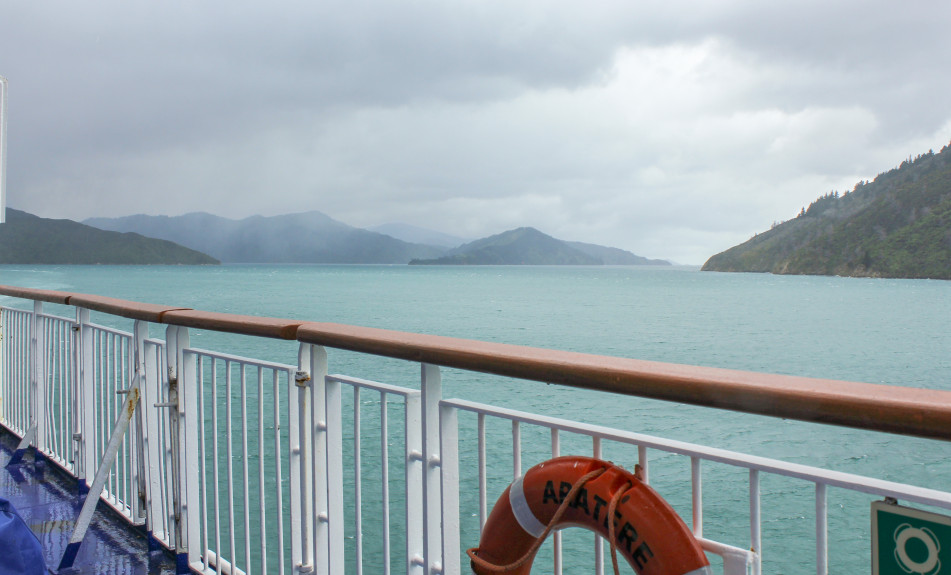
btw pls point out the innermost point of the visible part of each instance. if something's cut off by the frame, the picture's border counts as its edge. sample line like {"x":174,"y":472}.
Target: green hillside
{"x":522,"y":246}
{"x":28,"y":239}
{"x":896,"y":226}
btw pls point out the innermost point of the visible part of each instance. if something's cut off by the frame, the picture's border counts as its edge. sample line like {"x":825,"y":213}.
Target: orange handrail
{"x":893,"y":409}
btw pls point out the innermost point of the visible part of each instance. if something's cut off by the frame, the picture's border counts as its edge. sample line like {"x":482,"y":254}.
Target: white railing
{"x":241,"y":465}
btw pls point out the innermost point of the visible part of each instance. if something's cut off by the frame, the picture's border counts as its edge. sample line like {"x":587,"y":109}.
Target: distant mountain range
{"x":311,"y":237}
{"x":28,"y":239}
{"x":314,"y":237}
{"x":417,"y":235}
{"x":896,"y":226}
{"x":528,"y":246}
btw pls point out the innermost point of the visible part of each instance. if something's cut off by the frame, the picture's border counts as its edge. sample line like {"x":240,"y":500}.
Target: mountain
{"x":28,"y":239}
{"x":418,"y":235}
{"x":896,"y":226}
{"x":522,"y":246}
{"x":616,"y":256}
{"x":311,"y":237}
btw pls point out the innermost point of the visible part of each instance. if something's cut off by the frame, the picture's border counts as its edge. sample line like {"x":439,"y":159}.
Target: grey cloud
{"x":470,"y":114}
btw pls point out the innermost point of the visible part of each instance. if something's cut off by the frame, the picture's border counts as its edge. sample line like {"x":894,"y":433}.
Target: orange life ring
{"x":646,"y":531}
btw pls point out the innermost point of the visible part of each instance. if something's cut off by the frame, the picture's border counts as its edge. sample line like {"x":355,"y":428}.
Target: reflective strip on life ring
{"x":648,"y":532}
{"x":522,"y":512}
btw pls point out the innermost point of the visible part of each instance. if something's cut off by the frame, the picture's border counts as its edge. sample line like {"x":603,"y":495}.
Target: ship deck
{"x":48,"y":500}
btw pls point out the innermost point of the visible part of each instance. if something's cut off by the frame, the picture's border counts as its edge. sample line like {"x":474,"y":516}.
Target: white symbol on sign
{"x":931,"y":565}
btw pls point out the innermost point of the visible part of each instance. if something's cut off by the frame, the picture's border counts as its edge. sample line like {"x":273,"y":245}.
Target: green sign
{"x":907,"y":541}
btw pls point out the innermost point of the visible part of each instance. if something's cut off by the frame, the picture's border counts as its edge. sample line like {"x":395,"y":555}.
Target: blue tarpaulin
{"x":20,"y":550}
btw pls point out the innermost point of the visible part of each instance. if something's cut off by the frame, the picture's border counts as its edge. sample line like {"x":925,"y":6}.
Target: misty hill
{"x":417,"y":235}
{"x":523,"y":246}
{"x":616,"y":256}
{"x":896,"y":226}
{"x":311,"y":237}
{"x":28,"y":239}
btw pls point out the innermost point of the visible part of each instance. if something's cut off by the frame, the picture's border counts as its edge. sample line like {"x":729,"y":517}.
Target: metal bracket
{"x":301,"y":378}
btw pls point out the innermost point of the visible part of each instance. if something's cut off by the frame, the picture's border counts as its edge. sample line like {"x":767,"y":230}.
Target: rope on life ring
{"x":585,"y":492}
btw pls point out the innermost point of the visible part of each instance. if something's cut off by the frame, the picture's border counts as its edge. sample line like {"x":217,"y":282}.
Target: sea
{"x":887,"y":331}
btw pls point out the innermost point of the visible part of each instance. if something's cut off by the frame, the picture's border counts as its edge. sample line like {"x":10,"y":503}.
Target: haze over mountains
{"x":896,"y":226}
{"x":417,"y":235}
{"x":28,"y":239}
{"x":311,"y":237}
{"x":528,"y":246}
{"x":314,"y":237}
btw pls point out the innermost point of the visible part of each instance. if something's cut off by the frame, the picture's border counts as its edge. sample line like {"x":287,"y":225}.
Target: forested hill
{"x":896,"y":226}
{"x":528,"y":246}
{"x":28,"y":239}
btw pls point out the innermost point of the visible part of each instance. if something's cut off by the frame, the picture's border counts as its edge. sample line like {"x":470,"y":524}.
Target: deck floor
{"x":48,"y":501}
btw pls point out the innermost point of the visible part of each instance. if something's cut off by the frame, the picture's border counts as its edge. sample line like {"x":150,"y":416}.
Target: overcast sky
{"x":672,"y":129}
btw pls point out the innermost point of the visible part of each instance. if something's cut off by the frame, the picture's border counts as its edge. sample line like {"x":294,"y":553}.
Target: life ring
{"x":647,"y":532}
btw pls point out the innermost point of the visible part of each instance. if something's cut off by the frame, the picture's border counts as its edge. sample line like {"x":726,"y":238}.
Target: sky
{"x":672,"y":129}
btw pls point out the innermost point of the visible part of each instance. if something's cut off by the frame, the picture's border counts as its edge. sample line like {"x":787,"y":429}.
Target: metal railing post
{"x":140,"y":333}
{"x":3,"y":149}
{"x":756,"y":523}
{"x":431,"y":386}
{"x":176,"y":341}
{"x":299,"y":403}
{"x":696,"y":481}
{"x":76,"y":407}
{"x":39,"y":384}
{"x":189,"y":437}
{"x":328,"y":416}
{"x":449,"y":446}
{"x":414,"y":468}
{"x":822,"y":530}
{"x":152,"y":446}
{"x":87,"y":396}
{"x":4,"y":376}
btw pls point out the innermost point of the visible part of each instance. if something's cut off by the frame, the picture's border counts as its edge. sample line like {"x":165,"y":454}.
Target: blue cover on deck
{"x":20,"y":550}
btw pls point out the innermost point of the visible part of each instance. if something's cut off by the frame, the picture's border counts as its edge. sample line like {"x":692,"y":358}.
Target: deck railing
{"x":242,"y":465}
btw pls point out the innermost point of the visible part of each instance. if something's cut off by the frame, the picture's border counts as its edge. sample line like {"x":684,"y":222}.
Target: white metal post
{"x":696,"y":481}
{"x":176,"y":341}
{"x":139,"y":471}
{"x":431,"y":386}
{"x":557,"y":562}
{"x":4,"y":379}
{"x":822,"y":530}
{"x":414,"y":467}
{"x":299,"y":402}
{"x":152,"y":442}
{"x":39,"y":377}
{"x":449,"y":432}
{"x":76,"y":406}
{"x":756,"y":523}
{"x":190,"y":438}
{"x":329,"y":402}
{"x":3,"y":149}
{"x":87,"y":394}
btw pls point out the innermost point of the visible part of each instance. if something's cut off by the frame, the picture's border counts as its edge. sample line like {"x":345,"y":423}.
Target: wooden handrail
{"x":44,"y":295}
{"x":893,"y":409}
{"x":901,"y":410}
{"x":240,"y":324}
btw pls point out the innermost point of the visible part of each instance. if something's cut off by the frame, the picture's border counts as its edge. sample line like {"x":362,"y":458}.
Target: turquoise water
{"x":882,"y":331}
